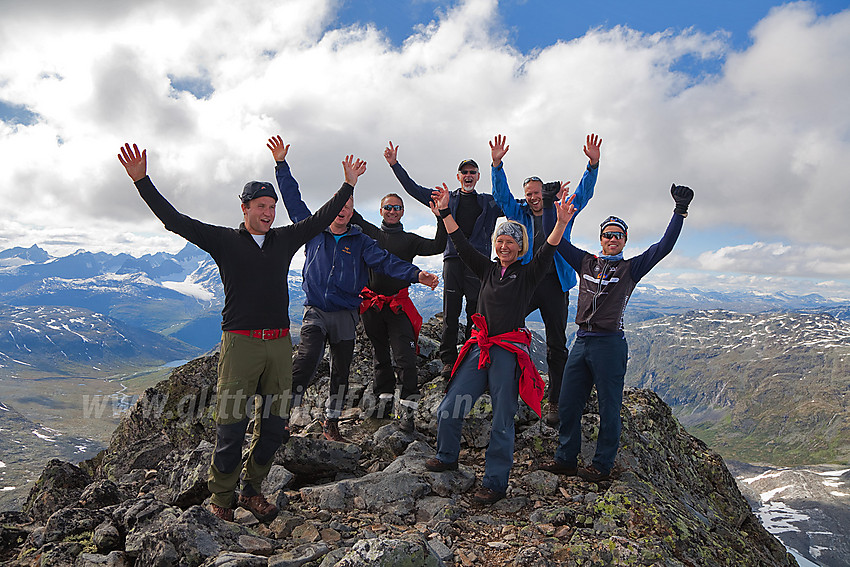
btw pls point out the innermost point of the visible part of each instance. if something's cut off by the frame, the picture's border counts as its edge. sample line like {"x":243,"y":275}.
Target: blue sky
{"x":746,"y":102}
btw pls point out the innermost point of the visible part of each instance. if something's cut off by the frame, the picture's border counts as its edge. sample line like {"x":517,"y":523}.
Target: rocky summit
{"x":141,"y":502}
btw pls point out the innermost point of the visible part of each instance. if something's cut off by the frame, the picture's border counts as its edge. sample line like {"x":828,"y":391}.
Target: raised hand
{"x":498,"y":149}
{"x":439,"y":199}
{"x":353,"y":169}
{"x":279,"y":151}
{"x":565,"y":209}
{"x":592,"y":148}
{"x":429,"y":279}
{"x":683,"y":197}
{"x":134,"y":162}
{"x":565,"y":190}
{"x":391,"y":154}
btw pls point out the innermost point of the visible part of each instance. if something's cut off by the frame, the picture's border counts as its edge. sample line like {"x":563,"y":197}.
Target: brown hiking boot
{"x":552,"y":418}
{"x":486,"y":495}
{"x":558,"y":467}
{"x":592,"y":474}
{"x":262,"y":509}
{"x":436,"y":465}
{"x":331,"y":431}
{"x":221,"y":512}
{"x":446,"y":372}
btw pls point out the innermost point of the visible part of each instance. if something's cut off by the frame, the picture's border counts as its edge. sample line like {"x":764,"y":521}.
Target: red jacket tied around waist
{"x":531,"y":385}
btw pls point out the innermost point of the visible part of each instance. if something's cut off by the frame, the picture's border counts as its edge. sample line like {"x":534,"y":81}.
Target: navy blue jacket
{"x":334,"y":272}
{"x":482,"y":232}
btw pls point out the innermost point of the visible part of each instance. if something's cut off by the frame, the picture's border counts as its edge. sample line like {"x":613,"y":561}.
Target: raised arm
{"x":501,"y":192}
{"x":201,"y":234}
{"x":475,"y":260}
{"x":305,"y":229}
{"x":418,"y":192}
{"x":368,"y":228}
{"x":289,"y":193}
{"x":564,"y":210}
{"x":584,"y":191}
{"x":641,"y":264}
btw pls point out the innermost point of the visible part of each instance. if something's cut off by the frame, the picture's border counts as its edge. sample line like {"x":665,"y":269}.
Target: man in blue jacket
{"x":552,"y":296}
{"x":475,"y":214}
{"x":336,"y":269}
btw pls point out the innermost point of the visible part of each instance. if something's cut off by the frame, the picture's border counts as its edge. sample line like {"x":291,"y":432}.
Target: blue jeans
{"x":467,"y":385}
{"x":599,"y":361}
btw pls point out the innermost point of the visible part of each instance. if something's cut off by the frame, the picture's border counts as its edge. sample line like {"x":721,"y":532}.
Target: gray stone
{"x":113,"y":559}
{"x":186,"y":479}
{"x":106,"y":537}
{"x":71,"y":521}
{"x":542,"y":483}
{"x":299,"y":555}
{"x":440,"y":549}
{"x":100,"y":494}
{"x":388,"y":552}
{"x":235,"y":559}
{"x":278,"y":479}
{"x":318,"y":457}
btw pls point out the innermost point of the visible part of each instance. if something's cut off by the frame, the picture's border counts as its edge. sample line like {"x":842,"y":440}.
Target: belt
{"x":265,"y":334}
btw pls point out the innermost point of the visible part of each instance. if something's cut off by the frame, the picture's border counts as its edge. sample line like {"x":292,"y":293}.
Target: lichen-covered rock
{"x":59,"y":485}
{"x":389,"y":553}
{"x":671,"y":501}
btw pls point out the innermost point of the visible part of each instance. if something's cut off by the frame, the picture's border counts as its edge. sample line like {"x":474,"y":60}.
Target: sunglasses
{"x":530,"y":179}
{"x":393,"y":208}
{"x":614,"y":235}
{"x":469,"y":172}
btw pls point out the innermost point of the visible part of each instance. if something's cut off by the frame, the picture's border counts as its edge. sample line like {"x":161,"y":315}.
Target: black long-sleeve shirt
{"x":256,"y":294}
{"x":503,"y":299}
{"x":405,"y":245}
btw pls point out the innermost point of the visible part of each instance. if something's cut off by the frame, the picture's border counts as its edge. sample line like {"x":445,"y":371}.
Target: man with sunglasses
{"x":600,"y":353}
{"x":256,"y":349}
{"x":552,"y":296}
{"x":335,"y":271}
{"x":389,"y":317}
{"x":475,"y":214}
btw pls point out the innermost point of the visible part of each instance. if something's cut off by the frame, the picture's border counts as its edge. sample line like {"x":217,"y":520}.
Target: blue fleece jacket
{"x":518,"y":210}
{"x":334,"y":271}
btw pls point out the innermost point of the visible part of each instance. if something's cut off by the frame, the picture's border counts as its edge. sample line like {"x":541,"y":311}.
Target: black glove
{"x":550,"y":193}
{"x":683,"y":196}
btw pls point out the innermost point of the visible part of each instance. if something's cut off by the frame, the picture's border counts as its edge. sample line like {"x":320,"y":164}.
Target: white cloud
{"x":765,"y":144}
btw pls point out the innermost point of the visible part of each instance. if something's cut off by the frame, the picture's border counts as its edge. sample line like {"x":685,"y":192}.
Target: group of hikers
{"x":356,"y":271}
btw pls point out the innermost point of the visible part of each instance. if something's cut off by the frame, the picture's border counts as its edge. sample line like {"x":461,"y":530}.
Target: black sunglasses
{"x":614,"y":235}
{"x":393,"y":207}
{"x":530,"y":179}
{"x":468,"y":172}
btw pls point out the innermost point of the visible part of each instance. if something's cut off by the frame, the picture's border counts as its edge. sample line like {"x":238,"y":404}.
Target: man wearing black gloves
{"x":388,"y":315}
{"x":600,"y":353}
{"x":256,"y":349}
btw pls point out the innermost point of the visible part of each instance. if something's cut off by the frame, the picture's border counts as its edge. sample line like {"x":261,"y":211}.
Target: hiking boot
{"x":262,"y":509}
{"x":592,"y":474}
{"x":446,"y":372}
{"x":436,"y":465}
{"x":221,"y":512}
{"x":558,"y":467}
{"x":331,"y":431}
{"x":486,"y":495}
{"x":552,"y":417}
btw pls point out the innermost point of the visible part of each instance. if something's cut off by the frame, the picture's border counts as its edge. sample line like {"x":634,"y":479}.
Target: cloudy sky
{"x":747,"y":105}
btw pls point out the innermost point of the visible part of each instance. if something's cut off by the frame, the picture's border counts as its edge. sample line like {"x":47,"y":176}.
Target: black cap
{"x":254,"y":189}
{"x":468,"y":162}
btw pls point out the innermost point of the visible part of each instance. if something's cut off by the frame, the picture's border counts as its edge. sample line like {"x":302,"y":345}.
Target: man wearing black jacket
{"x":256,"y":349}
{"x":388,"y":315}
